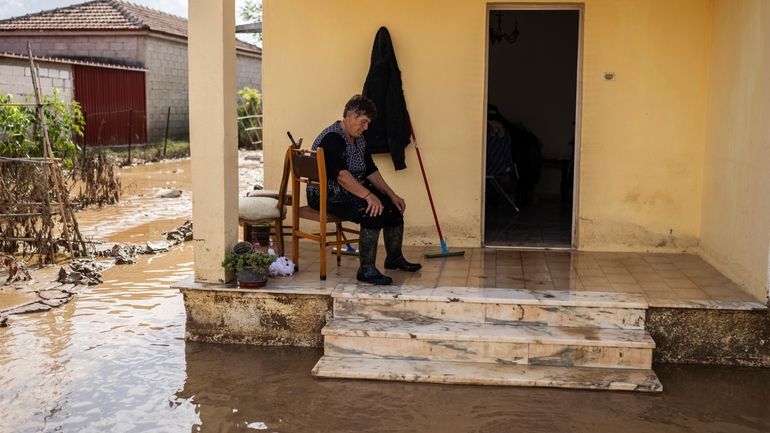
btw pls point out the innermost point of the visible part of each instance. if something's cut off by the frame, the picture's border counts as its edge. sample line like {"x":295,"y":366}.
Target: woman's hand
{"x":399,"y":203}
{"x":374,"y":206}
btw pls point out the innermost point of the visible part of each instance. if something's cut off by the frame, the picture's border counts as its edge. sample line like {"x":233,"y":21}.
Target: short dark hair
{"x":361,"y":105}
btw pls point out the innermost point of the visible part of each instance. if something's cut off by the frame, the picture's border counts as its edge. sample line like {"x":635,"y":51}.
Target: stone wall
{"x":126,"y":50}
{"x":15,"y":79}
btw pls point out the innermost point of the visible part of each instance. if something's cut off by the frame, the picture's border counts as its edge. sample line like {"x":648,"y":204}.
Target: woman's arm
{"x":346,"y":180}
{"x":379,"y":182}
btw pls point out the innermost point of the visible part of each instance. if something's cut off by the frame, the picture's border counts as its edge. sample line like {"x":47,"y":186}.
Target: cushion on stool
{"x":272,"y":193}
{"x":257,"y":208}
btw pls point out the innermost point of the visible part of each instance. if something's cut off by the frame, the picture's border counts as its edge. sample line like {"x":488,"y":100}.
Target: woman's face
{"x":356,"y":124}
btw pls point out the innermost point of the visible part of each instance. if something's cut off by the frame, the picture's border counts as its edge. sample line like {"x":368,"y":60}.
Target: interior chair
{"x":309,"y":167}
{"x":267,"y":209}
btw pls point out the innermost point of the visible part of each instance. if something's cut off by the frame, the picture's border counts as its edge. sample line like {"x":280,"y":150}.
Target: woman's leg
{"x":355,"y":210}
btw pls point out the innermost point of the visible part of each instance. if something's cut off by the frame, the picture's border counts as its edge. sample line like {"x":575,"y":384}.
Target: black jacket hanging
{"x":390,"y":130}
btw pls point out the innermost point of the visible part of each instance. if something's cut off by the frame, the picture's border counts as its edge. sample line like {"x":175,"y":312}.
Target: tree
{"x":251,"y":11}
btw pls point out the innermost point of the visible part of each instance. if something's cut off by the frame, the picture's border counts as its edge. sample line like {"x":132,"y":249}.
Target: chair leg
{"x":279,"y":235}
{"x":295,"y":250}
{"x":323,"y":251}
{"x":338,"y":227}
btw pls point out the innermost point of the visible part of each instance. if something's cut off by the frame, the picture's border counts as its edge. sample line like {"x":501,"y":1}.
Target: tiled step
{"x":502,"y":344}
{"x":487,"y":374}
{"x":491,"y":305}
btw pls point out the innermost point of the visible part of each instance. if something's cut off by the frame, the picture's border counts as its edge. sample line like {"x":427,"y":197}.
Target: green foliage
{"x":251,"y":11}
{"x":258,"y":260}
{"x":21,"y":134}
{"x":250,"y":104}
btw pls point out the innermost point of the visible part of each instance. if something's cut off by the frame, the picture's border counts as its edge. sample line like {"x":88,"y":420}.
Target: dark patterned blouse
{"x":341,"y":155}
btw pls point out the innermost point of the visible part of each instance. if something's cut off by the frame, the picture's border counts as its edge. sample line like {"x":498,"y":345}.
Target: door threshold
{"x":528,"y":248}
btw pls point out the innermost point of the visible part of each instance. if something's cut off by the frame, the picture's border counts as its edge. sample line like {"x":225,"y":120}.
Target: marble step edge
{"x":499,"y":333}
{"x":492,"y":296}
{"x":472,"y":373}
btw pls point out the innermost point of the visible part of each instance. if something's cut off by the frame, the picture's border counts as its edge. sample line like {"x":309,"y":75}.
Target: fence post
{"x":130,"y":116}
{"x":165,"y":139}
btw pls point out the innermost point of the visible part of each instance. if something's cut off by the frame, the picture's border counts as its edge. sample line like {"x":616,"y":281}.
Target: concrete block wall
{"x":15,"y":79}
{"x":123,"y":49}
{"x":166,"y":85}
{"x":249,"y":70}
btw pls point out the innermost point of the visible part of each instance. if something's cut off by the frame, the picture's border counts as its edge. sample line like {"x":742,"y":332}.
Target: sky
{"x":13,"y":8}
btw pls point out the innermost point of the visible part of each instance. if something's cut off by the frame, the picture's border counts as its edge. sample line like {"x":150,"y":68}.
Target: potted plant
{"x":249,"y":264}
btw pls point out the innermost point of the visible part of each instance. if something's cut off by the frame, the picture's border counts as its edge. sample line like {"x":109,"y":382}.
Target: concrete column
{"x":213,"y":134}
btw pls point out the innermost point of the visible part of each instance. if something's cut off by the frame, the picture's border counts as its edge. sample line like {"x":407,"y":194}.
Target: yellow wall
{"x":735,"y":235}
{"x":642,"y":135}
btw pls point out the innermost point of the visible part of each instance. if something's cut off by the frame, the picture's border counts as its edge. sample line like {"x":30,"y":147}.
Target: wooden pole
{"x":130,"y":116}
{"x":48,"y":152}
{"x":165,"y":140}
{"x":65,"y":208}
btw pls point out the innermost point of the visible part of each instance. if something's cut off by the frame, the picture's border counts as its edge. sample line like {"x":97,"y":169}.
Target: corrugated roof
{"x":106,"y":15}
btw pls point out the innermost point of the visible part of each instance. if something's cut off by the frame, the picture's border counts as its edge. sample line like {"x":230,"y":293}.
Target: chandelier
{"x":498,"y":35}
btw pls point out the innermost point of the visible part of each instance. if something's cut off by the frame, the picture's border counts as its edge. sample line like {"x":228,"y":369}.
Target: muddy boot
{"x":395,"y":259}
{"x":367,"y":254}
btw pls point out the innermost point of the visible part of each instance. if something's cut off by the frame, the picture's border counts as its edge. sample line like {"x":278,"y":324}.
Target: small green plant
{"x":255,"y":259}
{"x":21,"y":134}
{"x":249,"y":110}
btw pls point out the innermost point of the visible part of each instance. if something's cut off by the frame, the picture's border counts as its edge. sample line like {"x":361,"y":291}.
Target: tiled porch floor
{"x":666,"y":280}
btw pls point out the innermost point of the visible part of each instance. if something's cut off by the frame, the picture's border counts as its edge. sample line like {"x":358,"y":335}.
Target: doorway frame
{"x":580,"y":8}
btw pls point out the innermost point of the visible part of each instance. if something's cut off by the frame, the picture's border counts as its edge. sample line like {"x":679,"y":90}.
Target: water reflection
{"x":237,"y":386}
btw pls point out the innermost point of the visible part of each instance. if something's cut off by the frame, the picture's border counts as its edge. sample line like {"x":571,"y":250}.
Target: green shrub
{"x":22,"y":135}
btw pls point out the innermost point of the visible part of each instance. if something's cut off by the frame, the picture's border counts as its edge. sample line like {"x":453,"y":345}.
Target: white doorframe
{"x":579,"y":7}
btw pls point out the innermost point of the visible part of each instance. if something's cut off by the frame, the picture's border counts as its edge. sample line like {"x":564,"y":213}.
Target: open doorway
{"x":531,"y":117}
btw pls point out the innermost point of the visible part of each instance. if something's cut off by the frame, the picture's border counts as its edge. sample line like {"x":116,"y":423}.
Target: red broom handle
{"x":425,"y":179}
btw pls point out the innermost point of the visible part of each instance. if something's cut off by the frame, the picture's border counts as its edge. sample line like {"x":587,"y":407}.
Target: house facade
{"x":672,"y":134}
{"x":124,"y":34}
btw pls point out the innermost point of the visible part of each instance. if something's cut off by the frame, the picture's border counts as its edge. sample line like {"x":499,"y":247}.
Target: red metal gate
{"x":113,"y":104}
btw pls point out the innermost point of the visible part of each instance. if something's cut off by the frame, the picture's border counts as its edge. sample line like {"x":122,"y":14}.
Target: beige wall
{"x":642,"y":135}
{"x":735,"y":236}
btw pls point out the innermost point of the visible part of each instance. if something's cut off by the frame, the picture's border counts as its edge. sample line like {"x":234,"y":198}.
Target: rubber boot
{"x":367,"y":254}
{"x":395,"y":259}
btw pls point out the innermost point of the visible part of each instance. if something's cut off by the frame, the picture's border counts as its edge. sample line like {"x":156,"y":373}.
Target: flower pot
{"x":252,"y":278}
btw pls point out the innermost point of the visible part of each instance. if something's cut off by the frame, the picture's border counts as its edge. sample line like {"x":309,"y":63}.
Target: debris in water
{"x":257,"y":425}
{"x":30,"y":308}
{"x":17,"y":268}
{"x":83,"y":271}
{"x":181,"y":234}
{"x":168,"y":193}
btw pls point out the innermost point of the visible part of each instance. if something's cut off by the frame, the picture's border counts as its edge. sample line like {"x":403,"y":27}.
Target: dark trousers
{"x":352,"y":208}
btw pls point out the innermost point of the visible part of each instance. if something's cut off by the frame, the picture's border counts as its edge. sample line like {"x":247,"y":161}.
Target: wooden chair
{"x":262,"y":210}
{"x":309,"y":167}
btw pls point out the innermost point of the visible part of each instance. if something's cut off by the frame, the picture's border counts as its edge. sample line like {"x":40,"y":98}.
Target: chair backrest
{"x":308,"y":166}
{"x":284,"y":180}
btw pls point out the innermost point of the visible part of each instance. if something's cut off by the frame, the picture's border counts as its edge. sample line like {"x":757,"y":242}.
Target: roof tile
{"x":107,"y":15}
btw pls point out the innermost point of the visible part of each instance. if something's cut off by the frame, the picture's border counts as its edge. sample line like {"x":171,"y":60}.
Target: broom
{"x":444,"y":251}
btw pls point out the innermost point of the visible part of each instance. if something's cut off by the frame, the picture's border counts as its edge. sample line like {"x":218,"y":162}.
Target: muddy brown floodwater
{"x":115,"y":360}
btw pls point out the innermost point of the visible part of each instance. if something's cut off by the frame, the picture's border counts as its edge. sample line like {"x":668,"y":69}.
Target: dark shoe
{"x":367,"y":255}
{"x":402,"y":264}
{"x":371,"y":275}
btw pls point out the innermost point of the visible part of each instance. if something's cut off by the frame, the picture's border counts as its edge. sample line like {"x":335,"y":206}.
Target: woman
{"x":357,"y":192}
